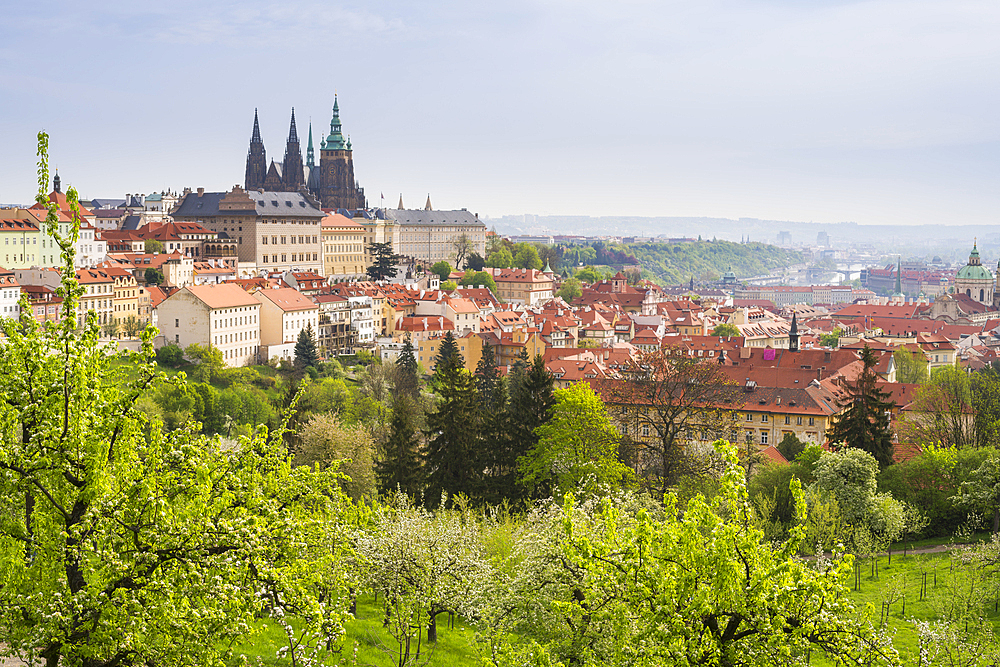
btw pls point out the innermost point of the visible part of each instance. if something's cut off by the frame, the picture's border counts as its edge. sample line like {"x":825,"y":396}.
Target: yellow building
{"x":343,"y":247}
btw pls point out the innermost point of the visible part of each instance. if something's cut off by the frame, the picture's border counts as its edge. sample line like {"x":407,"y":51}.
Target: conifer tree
{"x":448,"y":353}
{"x":305,"y":349}
{"x":452,"y":460}
{"x":493,"y":434}
{"x":865,"y":421}
{"x":407,"y":381}
{"x":488,"y":379}
{"x":531,"y":401}
{"x":401,"y":467}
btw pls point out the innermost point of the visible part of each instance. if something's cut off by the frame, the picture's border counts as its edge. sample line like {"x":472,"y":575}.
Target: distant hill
{"x":677,"y":263}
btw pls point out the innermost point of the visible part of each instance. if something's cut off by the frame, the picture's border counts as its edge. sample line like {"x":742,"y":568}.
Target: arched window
{"x":968,"y":292}
{"x":982,"y":295}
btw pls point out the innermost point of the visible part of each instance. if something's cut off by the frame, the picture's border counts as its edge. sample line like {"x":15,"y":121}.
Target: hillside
{"x":677,"y":263}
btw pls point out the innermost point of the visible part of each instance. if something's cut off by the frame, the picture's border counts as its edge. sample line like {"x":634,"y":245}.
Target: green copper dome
{"x":974,"y":270}
{"x":335,"y":141}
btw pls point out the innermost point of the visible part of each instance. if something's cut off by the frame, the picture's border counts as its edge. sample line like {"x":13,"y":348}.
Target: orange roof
{"x":336,"y":220}
{"x":223,"y":295}
{"x":286,"y":298}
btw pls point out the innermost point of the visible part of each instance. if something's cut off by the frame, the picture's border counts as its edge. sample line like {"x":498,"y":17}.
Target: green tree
{"x":942,"y":411}
{"x":449,"y":286}
{"x":442,"y":269}
{"x":325,"y":441}
{"x":475,"y":262}
{"x":571,"y":289}
{"x":588,"y":274}
{"x":982,"y":490}
{"x":132,"y":326}
{"x":452,"y":459}
{"x":986,"y":403}
{"x":305,"y":349}
{"x":831,"y":339}
{"x":725,"y":330}
{"x":500,"y":259}
{"x":577,"y":449}
{"x":153,"y":246}
{"x":400,"y":467}
{"x":170,"y":355}
{"x":911,"y":367}
{"x":617,"y":585}
{"x":480,"y":278}
{"x":210,"y":362}
{"x":384,"y":261}
{"x":408,"y":381}
{"x":790,"y":446}
{"x":153,"y":276}
{"x":864,"y":421}
{"x":122,"y":545}
{"x":527,"y":258}
{"x":448,"y":354}
{"x":110,"y":329}
{"x":494,"y":429}
{"x":530,"y":405}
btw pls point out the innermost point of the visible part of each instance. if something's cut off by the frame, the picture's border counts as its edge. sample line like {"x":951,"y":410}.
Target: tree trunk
{"x":432,"y":628}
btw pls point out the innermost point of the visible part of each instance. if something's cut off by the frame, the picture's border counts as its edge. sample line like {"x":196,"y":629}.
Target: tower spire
{"x":310,"y":155}
{"x":256,"y":159}
{"x":292,"y":177}
{"x":427,"y":206}
{"x":793,"y":334}
{"x":400,"y":207}
{"x":335,"y":141}
{"x":293,"y":135}
{"x":57,"y":183}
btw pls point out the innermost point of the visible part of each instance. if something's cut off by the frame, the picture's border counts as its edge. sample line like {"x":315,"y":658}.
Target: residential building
{"x":284,"y":313}
{"x":10,"y":293}
{"x":221,"y":316}
{"x":98,"y":296}
{"x":344,"y":242}
{"x":528,"y":287}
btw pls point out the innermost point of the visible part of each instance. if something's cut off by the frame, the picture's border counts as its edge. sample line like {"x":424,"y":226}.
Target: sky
{"x":875,"y":111}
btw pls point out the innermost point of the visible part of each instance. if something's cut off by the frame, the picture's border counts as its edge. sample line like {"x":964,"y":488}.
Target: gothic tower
{"x":337,"y":186}
{"x":256,"y":159}
{"x":312,"y":170}
{"x":291,"y":168}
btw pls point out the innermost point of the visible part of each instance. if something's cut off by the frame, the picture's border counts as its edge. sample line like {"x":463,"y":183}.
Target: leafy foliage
{"x":674,"y":263}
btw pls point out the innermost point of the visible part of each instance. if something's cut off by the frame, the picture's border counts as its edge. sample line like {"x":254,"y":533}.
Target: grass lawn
{"x":372,"y":644}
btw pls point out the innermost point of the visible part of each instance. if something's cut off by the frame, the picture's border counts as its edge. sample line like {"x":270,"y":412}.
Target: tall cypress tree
{"x":401,"y":466}
{"x":407,"y":382}
{"x":530,"y":405}
{"x":864,"y":423}
{"x":452,"y":462}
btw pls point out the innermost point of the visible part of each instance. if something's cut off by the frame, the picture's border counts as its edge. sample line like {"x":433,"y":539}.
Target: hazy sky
{"x":876,"y":111}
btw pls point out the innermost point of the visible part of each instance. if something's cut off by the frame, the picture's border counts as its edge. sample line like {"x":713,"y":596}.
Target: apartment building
{"x":344,"y":243}
{"x":222,"y":316}
{"x":284,"y":312}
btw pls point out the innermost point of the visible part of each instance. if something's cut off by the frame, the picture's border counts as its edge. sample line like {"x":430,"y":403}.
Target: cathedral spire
{"x":292,"y":176}
{"x":256,"y":159}
{"x":400,"y":207}
{"x":310,"y":155}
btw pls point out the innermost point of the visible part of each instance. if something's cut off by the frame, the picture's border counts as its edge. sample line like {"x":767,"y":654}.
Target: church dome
{"x":973,"y":272}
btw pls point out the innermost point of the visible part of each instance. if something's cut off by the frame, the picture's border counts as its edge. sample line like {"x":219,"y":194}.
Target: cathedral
{"x":331,"y":182}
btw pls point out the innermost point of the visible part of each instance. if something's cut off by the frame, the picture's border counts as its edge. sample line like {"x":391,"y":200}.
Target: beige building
{"x":222,"y":316}
{"x":98,"y":296}
{"x":529,"y":287}
{"x":430,"y":235}
{"x":344,"y":242}
{"x":284,"y":313}
{"x":274,"y":231}
{"x":126,"y":300}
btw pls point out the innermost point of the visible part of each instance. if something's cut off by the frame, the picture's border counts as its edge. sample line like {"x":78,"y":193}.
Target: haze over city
{"x":878,"y":112}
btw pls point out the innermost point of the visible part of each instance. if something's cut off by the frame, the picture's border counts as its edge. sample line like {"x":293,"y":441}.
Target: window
{"x":798,"y":421}
{"x":763,"y":418}
{"x":763,"y":437}
{"x":282,"y":240}
{"x":645,"y":430}
{"x":749,"y":417}
{"x":788,"y":419}
{"x":264,"y":240}
{"x":177,"y":323}
{"x":812,"y":421}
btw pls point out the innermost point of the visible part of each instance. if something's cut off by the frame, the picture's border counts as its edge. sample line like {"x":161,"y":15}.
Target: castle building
{"x":331,"y":182}
{"x":337,"y":188}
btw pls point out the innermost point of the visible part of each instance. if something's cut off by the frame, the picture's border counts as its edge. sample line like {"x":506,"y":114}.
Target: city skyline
{"x":874,"y":112}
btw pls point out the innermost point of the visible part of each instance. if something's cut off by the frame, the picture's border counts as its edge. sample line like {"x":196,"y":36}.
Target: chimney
{"x":201,"y":191}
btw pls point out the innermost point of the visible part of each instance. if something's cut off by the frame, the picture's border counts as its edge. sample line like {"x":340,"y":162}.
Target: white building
{"x":284,"y":313}
{"x":223,"y":316}
{"x":362,"y":319}
{"x":10,"y":292}
{"x":430,"y":235}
